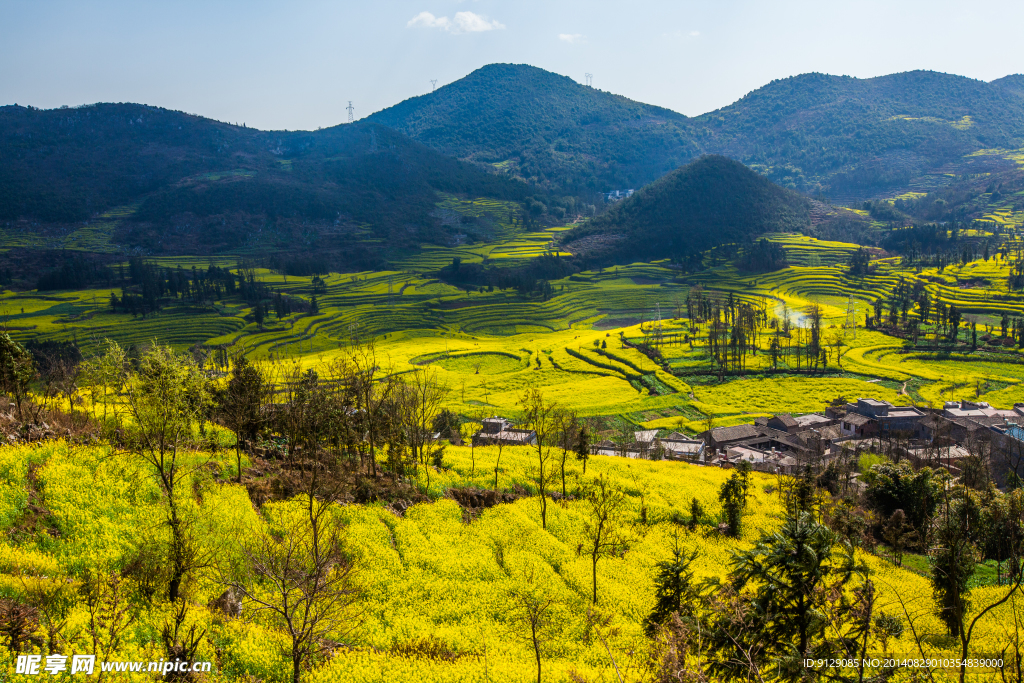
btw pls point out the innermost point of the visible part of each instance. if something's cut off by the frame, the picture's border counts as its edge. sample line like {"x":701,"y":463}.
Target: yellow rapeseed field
{"x":430,"y":574}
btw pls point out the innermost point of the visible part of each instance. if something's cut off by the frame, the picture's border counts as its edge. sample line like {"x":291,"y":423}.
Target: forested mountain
{"x":815,"y":133}
{"x":546,"y":128}
{"x":710,"y":201}
{"x":195,"y":185}
{"x":350,"y":196}
{"x":850,"y":135}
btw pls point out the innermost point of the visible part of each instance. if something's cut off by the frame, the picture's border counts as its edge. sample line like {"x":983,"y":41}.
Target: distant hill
{"x":546,"y":128}
{"x":710,"y":201}
{"x":846,"y":135}
{"x":815,"y":133}
{"x":193,"y":185}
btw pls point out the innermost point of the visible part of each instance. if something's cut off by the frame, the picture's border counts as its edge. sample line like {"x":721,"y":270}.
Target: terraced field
{"x":488,"y":346}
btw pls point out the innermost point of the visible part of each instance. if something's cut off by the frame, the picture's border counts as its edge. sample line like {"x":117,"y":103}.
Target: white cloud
{"x":694,"y":33}
{"x":571,"y":38}
{"x":463,"y":22}
{"x":468,"y":22}
{"x":430,"y":21}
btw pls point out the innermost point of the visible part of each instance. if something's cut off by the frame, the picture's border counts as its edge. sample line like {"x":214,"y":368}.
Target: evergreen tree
{"x":953,"y":563}
{"x":696,"y":513}
{"x":676,"y":591}
{"x":240,"y":405}
{"x":583,"y":446}
{"x":791,"y":573}
{"x":731,"y":496}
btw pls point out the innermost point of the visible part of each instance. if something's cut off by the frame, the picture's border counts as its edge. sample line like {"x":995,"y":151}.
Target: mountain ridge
{"x":815,"y":132}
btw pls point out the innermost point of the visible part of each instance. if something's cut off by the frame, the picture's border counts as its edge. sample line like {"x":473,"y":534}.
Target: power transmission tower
{"x":590,"y":80}
{"x":351,"y":116}
{"x":851,"y":317}
{"x":391,"y":289}
{"x":658,"y":338}
{"x":433,"y":84}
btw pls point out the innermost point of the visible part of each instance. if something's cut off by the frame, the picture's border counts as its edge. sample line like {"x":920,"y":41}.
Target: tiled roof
{"x":734,"y":433}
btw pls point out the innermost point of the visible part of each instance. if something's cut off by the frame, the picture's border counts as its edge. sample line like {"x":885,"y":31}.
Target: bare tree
{"x":111,"y":613}
{"x":603,"y":531}
{"x":568,"y":435}
{"x":624,"y":435}
{"x":1012,"y":451}
{"x":539,"y":414}
{"x":181,"y":644}
{"x":373,"y":388}
{"x":423,"y":394}
{"x":533,"y":614}
{"x":300,"y":576}
{"x":53,"y":601}
{"x":105,"y":375}
{"x":167,"y":396}
{"x":296,"y":569}
{"x":500,"y":444}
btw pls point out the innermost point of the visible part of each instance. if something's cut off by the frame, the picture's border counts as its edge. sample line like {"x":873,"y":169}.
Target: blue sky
{"x":296,"y":64}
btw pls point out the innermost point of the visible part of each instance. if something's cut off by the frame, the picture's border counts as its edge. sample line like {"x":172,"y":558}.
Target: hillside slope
{"x":814,"y":132}
{"x":713,"y":200}
{"x":192,"y":185}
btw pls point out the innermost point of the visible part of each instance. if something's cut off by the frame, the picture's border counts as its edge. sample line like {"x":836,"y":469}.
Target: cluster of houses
{"x":785,"y":444}
{"x":616,"y":195}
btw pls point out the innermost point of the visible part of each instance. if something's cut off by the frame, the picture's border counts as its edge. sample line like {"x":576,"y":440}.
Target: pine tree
{"x":676,"y":591}
{"x":731,"y":496}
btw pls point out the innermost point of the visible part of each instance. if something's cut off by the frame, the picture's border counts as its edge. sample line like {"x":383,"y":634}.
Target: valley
{"x":519,"y":380}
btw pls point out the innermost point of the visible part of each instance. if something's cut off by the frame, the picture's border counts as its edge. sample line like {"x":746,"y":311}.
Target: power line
{"x":351,"y":116}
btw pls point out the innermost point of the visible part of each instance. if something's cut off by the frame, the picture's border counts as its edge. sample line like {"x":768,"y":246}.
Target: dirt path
{"x":903,"y":389}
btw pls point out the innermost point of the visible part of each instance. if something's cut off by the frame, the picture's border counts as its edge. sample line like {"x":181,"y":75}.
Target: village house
{"x":495,"y":430}
{"x":980,"y":409}
{"x":645,"y":444}
{"x":678,"y":446}
{"x":890,"y":418}
{"x":784,"y":423}
{"x":786,"y":444}
{"x":858,"y":426}
{"x":769,"y":462}
{"x":759,"y":436}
